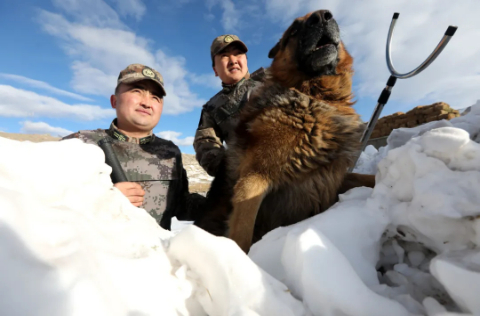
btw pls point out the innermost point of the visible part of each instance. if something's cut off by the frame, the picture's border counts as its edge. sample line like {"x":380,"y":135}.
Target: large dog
{"x":297,"y":136}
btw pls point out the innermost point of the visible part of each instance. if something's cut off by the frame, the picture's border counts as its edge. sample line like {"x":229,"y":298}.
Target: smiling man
{"x":220,"y":114}
{"x":156,"y":179}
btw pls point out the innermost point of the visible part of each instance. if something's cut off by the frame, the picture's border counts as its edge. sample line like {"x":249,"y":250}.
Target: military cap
{"x":222,"y":41}
{"x":137,"y":72}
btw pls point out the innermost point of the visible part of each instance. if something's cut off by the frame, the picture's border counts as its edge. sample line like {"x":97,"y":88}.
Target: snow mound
{"x":72,"y":244}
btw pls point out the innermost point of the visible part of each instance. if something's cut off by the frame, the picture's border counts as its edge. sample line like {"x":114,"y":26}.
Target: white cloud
{"x":30,"y":127}
{"x":209,"y":17}
{"x":230,"y":16}
{"x":22,"y":103}
{"x":43,"y":85}
{"x":90,"y":12}
{"x":206,"y":80}
{"x":179,"y":98}
{"x":88,"y":79}
{"x":100,"y":53}
{"x":174,"y":137}
{"x":453,"y":78}
{"x":135,"y":8}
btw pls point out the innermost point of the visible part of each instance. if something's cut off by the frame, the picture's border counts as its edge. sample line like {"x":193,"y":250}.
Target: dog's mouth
{"x":324,"y":42}
{"x":318,"y":51}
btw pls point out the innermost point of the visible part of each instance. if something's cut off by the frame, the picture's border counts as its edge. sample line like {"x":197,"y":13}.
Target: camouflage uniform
{"x":219,"y":115}
{"x":152,"y":162}
{"x":155,"y":164}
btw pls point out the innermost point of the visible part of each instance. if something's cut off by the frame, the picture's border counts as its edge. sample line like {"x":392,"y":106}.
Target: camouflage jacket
{"x":218,"y":120}
{"x":154,"y":163}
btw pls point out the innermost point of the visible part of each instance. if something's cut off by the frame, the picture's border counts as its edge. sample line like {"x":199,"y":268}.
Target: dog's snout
{"x":320,"y":16}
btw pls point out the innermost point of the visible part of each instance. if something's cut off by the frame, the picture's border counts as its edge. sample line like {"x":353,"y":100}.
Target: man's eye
{"x":156,"y":98}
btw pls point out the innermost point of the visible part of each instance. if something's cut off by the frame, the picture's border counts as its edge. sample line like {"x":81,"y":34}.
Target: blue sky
{"x":60,"y":58}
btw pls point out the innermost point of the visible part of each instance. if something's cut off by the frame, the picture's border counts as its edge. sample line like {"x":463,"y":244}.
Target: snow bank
{"x":71,"y":244}
{"x":369,"y":159}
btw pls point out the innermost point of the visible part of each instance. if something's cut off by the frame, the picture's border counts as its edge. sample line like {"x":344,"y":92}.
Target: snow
{"x":460,"y":272}
{"x":228,"y":283}
{"x":72,"y":244}
{"x":369,"y":159}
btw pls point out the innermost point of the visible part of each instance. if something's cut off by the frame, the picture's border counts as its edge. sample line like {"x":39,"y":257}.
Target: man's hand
{"x":133,"y":191}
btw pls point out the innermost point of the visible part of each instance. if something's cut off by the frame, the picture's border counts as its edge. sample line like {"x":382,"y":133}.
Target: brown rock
{"x":441,"y":106}
{"x":447,"y":116}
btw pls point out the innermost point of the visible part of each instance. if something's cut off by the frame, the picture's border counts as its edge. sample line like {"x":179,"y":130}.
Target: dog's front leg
{"x":247,"y":197}
{"x":354,"y":180}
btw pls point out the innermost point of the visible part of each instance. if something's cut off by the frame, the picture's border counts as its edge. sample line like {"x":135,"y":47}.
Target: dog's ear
{"x":274,"y":50}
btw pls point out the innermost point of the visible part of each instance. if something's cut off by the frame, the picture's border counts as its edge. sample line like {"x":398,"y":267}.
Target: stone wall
{"x":417,"y":116}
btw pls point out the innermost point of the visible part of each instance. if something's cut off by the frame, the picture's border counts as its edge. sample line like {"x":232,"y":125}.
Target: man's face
{"x":231,"y":65}
{"x":139,"y":106}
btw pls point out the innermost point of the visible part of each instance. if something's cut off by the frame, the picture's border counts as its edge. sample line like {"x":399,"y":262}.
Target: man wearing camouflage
{"x":219,"y":115}
{"x":153,"y":166}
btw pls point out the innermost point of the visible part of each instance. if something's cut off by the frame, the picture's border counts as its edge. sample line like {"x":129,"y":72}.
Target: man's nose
{"x":233,"y":59}
{"x":147,"y":99}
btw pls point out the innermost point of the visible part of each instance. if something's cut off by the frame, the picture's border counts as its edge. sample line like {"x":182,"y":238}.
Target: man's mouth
{"x":234,"y":69}
{"x":144,"y":112}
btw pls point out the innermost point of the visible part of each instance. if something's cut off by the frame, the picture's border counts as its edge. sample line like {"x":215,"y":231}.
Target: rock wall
{"x":416,"y":116}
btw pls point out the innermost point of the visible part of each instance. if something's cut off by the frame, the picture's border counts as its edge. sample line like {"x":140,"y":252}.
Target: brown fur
{"x":296,"y":138}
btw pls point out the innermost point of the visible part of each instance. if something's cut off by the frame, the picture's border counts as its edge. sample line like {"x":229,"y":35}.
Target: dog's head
{"x":309,"y":49}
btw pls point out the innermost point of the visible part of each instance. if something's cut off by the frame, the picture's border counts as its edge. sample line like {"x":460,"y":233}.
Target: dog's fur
{"x":297,"y":136}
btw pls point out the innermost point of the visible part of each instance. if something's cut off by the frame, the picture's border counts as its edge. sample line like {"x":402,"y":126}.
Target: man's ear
{"x":274,"y":50}
{"x":113,"y":101}
{"x":215,"y":71}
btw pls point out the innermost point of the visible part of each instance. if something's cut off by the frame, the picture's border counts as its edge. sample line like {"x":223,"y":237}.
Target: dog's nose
{"x":320,"y":16}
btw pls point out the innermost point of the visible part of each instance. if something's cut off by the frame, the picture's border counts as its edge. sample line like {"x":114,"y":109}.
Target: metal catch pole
{"x":383,"y":99}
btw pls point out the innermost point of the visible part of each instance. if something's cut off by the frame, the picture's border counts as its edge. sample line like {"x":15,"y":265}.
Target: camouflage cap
{"x":137,"y":72}
{"x":221,"y":42}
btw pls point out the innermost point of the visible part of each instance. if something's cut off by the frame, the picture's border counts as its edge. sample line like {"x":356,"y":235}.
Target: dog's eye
{"x":295,"y":29}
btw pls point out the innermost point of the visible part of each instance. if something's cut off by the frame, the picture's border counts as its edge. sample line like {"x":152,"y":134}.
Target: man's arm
{"x":188,"y":205}
{"x":208,"y":144}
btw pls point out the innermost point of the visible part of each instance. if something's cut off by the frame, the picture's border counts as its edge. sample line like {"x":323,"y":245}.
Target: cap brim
{"x":132,"y":80}
{"x":242,"y":44}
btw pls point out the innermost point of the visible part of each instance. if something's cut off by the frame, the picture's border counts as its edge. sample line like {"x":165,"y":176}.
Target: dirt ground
{"x":35,"y":138}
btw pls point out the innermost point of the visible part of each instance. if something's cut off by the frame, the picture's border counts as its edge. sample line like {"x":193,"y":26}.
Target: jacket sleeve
{"x":208,"y":144}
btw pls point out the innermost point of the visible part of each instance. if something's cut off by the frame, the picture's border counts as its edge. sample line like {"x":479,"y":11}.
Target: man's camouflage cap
{"x":137,"y":72}
{"x":221,"y":42}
